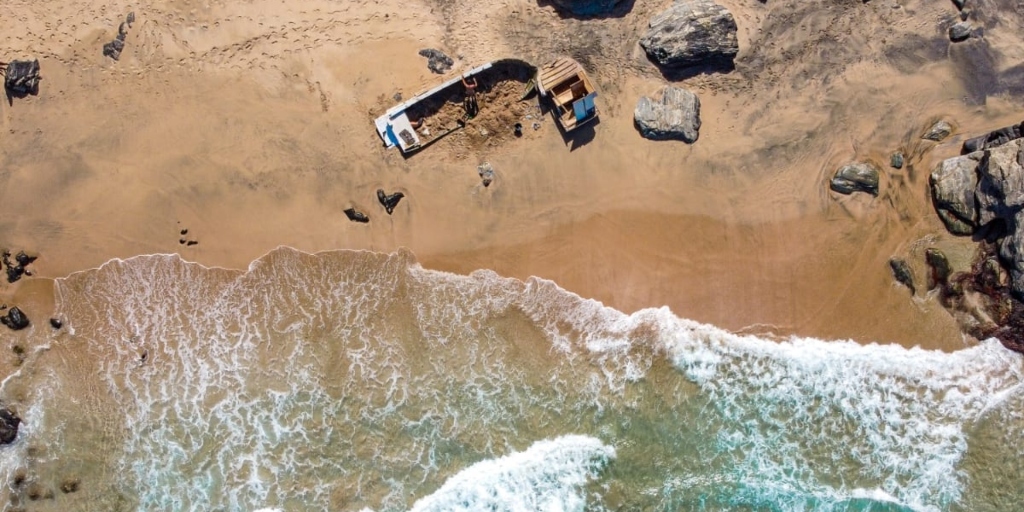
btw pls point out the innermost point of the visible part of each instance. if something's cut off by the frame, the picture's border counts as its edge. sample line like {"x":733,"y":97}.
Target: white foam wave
{"x":549,"y":476}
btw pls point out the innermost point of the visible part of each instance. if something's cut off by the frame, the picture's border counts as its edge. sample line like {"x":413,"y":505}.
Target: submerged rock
{"x":952,"y":185}
{"x":9,"y":422}
{"x":938,"y":132}
{"x":901,"y":271}
{"x":857,"y":177}
{"x":675,"y":115}
{"x":692,"y":32}
{"x":15,"y":319}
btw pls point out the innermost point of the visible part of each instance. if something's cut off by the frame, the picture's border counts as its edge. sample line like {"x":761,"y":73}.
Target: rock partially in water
{"x":674,"y":115}
{"x":938,"y":132}
{"x":901,"y":271}
{"x":952,"y":184}
{"x":856,"y":177}
{"x":692,"y":32}
{"x":56,"y":323}
{"x":993,"y":139}
{"x":9,"y":422}
{"x":940,"y":269}
{"x":15,"y":319}
{"x":437,"y":61}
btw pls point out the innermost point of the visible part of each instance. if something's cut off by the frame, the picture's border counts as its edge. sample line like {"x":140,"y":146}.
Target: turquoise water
{"x":360,"y":381}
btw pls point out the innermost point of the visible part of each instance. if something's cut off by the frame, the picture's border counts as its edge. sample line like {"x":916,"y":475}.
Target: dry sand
{"x":250,"y":124}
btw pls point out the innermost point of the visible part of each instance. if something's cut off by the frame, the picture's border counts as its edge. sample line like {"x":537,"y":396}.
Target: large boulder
{"x":692,"y":32}
{"x":857,"y":177}
{"x":673,"y":116}
{"x":1000,"y":197}
{"x":953,"y":182}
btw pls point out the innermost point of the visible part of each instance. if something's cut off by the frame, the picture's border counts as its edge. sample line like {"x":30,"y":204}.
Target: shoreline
{"x":254,"y":148}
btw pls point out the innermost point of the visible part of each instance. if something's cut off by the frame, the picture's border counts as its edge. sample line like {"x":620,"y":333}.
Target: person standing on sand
{"x":470,"y":102}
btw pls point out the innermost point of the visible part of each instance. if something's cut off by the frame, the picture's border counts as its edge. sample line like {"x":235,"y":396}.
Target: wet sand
{"x":250,"y":125}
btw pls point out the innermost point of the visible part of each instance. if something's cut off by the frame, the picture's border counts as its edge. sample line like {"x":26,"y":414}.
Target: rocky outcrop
{"x":953,"y":183}
{"x":9,"y":422}
{"x":993,"y":139}
{"x":675,"y":115}
{"x":15,"y":319}
{"x":901,"y":272}
{"x":692,"y":32}
{"x":857,"y":177}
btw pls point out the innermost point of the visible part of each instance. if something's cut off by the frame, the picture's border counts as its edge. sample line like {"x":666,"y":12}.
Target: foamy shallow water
{"x":359,"y":381}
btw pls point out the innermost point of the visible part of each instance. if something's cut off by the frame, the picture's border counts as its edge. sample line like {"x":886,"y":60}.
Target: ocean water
{"x":356,"y":381}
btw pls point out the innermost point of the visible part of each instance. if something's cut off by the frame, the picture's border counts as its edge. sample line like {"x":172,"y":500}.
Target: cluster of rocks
{"x":981,"y":193}
{"x":114,"y":48}
{"x":437,"y":61}
{"x":17,"y":268}
{"x":186,"y":241}
{"x":388,"y":201}
{"x":688,"y":35}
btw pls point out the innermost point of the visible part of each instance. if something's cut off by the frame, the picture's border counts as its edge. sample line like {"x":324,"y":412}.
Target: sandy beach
{"x":250,"y":125}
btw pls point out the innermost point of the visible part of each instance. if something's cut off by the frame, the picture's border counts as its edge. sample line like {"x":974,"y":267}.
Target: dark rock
{"x":389,"y":201}
{"x":940,"y":268}
{"x":1000,"y":201}
{"x":901,"y":271}
{"x":113,"y":49}
{"x":130,"y":18}
{"x":959,"y":4}
{"x":964,"y":14}
{"x":122,"y":30}
{"x":692,"y":32}
{"x":960,"y":31}
{"x":938,"y":132}
{"x":896,"y":160}
{"x":952,"y":184}
{"x":356,"y":216}
{"x":9,"y":422}
{"x":184,"y":231}
{"x":190,"y":243}
{"x":486,"y":173}
{"x":24,"y":259}
{"x":56,"y":323}
{"x":437,"y":61}
{"x":15,"y":319}
{"x":22,"y":77}
{"x":993,"y":139}
{"x":586,"y":7}
{"x":70,"y":485}
{"x":674,"y":116}
{"x":182,"y":241}
{"x":858,"y":177}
